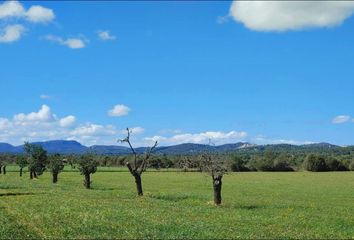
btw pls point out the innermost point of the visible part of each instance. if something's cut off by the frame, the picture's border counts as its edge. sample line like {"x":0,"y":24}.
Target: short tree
{"x":56,"y":165}
{"x":139,"y":164}
{"x":22,"y":162}
{"x":315,"y":163}
{"x":215,"y":166}
{"x":37,"y":159}
{"x":87,"y":165}
{"x":334,"y":164}
{"x":238,"y":164}
{"x":3,"y":162}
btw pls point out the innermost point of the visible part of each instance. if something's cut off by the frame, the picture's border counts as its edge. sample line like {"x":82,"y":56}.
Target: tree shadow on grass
{"x":9,"y":187}
{"x":245,"y":207}
{"x":170,"y":198}
{"x":15,"y":194}
{"x":104,"y":188}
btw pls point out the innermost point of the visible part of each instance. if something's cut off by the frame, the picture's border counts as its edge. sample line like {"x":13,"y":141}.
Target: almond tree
{"x":139,"y":163}
{"x":214,"y":165}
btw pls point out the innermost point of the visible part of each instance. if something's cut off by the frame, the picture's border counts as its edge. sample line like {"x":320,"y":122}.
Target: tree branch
{"x":127,"y":140}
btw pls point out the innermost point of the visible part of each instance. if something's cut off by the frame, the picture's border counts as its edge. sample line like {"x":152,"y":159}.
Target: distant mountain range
{"x":73,"y":147}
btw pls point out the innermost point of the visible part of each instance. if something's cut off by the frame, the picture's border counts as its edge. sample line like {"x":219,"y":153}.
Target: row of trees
{"x":272,"y":161}
{"x":37,"y":161}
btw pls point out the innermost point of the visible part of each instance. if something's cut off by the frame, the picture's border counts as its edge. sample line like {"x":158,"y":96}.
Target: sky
{"x":177,"y":72}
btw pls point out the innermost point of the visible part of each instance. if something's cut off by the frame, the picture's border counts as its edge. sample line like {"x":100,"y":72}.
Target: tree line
{"x":37,"y":160}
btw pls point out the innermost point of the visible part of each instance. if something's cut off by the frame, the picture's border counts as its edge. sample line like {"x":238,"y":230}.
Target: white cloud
{"x":9,"y":9}
{"x":35,"y":14}
{"x":4,"y":123}
{"x":290,"y":15}
{"x":39,"y":14}
{"x":136,"y":130}
{"x":43,"y":115}
{"x":90,"y":129}
{"x":260,"y":139}
{"x":341,"y":119}
{"x":67,"y":121}
{"x":105,"y":35}
{"x":43,"y":125}
{"x":202,"y":138}
{"x":11,"y":33}
{"x":119,"y":110}
{"x":14,"y":11}
{"x":73,"y":43}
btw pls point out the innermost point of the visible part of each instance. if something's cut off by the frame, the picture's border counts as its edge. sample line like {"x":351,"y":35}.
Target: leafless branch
{"x":138,"y":169}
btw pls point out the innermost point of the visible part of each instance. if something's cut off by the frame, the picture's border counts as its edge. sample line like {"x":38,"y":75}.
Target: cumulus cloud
{"x":43,"y":125}
{"x":39,"y":14}
{"x":9,"y":9}
{"x":11,"y":33}
{"x":67,"y":121}
{"x":73,"y":43}
{"x":217,"y":137}
{"x":14,"y":11}
{"x":340,"y":119}
{"x":91,"y":129}
{"x":43,"y":115}
{"x":290,"y":15}
{"x":35,"y":14}
{"x":119,"y":110}
{"x":105,"y":35}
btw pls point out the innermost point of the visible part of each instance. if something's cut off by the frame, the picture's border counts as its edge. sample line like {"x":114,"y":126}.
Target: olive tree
{"x":4,"y":160}
{"x":139,"y":163}
{"x":87,"y":165}
{"x":216,"y":167}
{"x":22,"y":162}
{"x":37,"y":159}
{"x":56,"y":165}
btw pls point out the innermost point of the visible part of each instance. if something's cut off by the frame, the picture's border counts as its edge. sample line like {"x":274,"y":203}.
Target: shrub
{"x":334,"y":165}
{"x":238,"y":164}
{"x":315,"y":163}
{"x":281,"y":163}
{"x":351,"y":166}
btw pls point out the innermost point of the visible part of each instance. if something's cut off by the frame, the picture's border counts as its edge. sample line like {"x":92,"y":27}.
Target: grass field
{"x":177,"y":205}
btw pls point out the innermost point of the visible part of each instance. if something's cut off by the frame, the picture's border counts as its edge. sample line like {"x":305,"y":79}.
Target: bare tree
{"x":213,"y":164}
{"x":139,"y":164}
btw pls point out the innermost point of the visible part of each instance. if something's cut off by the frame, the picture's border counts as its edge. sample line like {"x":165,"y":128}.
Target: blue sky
{"x":177,"y":72}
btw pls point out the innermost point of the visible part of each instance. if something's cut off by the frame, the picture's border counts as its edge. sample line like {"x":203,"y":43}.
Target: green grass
{"x":178,"y":205}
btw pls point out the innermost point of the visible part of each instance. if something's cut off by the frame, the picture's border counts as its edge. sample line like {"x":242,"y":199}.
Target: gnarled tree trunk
{"x":4,"y":169}
{"x":55,"y":177}
{"x":87,"y":181}
{"x":31,"y":174}
{"x":21,"y":171}
{"x":137,"y":176}
{"x":217,"y":183}
{"x":139,"y":186}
